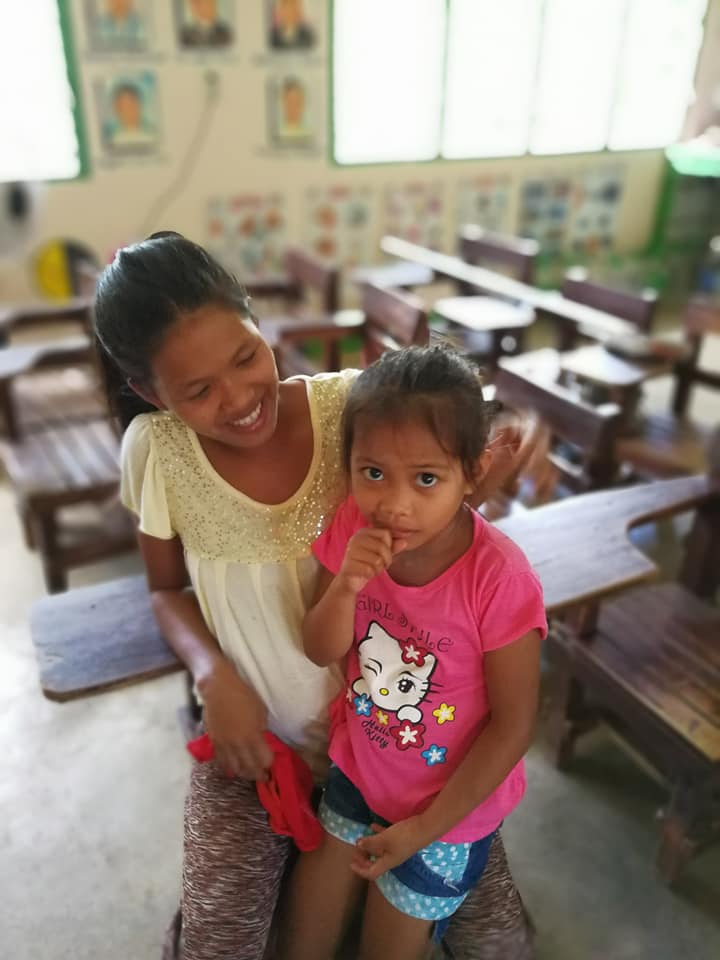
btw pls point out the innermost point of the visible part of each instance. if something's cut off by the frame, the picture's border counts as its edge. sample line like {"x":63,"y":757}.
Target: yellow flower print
{"x":444,"y":712}
{"x":382,"y":718}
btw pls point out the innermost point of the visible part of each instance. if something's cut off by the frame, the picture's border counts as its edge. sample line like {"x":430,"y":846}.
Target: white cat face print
{"x":394,"y":676}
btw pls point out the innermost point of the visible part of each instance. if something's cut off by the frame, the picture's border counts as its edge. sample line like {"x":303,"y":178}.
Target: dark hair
{"x":140,"y":295}
{"x":435,"y":386}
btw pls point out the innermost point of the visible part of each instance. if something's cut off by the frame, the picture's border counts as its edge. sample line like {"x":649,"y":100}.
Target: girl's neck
{"x":415,"y":568}
{"x":272,"y":473}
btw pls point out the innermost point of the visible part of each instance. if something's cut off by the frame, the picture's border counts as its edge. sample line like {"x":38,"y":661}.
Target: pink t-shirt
{"x":416,"y":698}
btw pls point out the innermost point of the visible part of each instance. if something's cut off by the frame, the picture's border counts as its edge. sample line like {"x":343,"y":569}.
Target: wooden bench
{"x":95,"y":644}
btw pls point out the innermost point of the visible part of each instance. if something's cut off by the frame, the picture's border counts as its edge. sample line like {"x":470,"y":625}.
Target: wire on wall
{"x":188,"y":162}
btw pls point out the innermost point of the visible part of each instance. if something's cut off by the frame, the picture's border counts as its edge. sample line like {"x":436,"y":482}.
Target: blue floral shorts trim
{"x":433,"y":883}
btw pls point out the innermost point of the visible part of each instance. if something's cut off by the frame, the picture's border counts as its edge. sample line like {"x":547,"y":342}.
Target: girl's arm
{"x":512,"y":675}
{"x":235,"y":717}
{"x":328,"y":626}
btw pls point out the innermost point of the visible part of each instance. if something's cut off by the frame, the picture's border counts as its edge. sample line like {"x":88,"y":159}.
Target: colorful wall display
{"x":248,"y":234}
{"x":485,"y":201}
{"x":414,"y":211}
{"x":595,"y":205}
{"x":338,"y":224}
{"x":544,"y":211}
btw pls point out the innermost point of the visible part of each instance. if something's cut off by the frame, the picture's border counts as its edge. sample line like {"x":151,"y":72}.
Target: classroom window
{"x":38,"y":115}
{"x":421,"y":79}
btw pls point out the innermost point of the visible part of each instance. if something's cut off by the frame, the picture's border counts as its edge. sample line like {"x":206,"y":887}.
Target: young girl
{"x":440,"y":617}
{"x":232,"y":475}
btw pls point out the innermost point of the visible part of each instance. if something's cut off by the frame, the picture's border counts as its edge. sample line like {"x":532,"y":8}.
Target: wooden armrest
{"x":20,"y":315}
{"x":579,"y":546}
{"x":16,"y":360}
{"x":329,"y":329}
{"x":94,"y":639}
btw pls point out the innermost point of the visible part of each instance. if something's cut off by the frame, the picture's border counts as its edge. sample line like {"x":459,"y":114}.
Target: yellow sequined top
{"x":250,"y":563}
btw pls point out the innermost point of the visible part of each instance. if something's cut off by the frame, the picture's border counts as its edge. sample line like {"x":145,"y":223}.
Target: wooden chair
{"x":671,"y":444}
{"x":389,"y":319}
{"x":702,"y":318}
{"x":647,"y":664}
{"x":513,"y":255}
{"x":637,"y":308}
{"x":309,"y":286}
{"x":583,"y":437}
{"x":393,"y":319}
{"x":61,"y":456}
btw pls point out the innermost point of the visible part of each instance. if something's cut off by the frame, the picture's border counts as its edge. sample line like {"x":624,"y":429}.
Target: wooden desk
{"x":97,"y":638}
{"x":571,"y":317}
{"x":22,"y":315}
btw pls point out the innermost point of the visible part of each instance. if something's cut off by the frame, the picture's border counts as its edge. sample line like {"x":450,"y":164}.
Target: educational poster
{"x":128,"y":114}
{"x":117,"y":26}
{"x":595,"y":206}
{"x":290,"y":25}
{"x":414,"y":211}
{"x":205,"y":25}
{"x":292,"y":112}
{"x":338,"y":224}
{"x":247,"y":233}
{"x":485,"y":201}
{"x":544,"y":212}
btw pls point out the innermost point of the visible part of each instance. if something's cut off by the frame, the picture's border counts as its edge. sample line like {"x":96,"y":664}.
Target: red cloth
{"x":286,"y":795}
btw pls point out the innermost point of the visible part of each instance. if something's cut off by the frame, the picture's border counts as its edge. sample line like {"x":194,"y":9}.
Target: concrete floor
{"x":91,"y":798}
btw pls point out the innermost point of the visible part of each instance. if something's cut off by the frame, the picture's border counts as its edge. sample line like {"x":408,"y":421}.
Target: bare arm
{"x":328,"y":625}
{"x":235,"y":716}
{"x":512,"y":676}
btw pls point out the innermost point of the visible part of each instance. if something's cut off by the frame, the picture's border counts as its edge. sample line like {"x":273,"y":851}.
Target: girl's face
{"x":217,"y":374}
{"x":404,"y":481}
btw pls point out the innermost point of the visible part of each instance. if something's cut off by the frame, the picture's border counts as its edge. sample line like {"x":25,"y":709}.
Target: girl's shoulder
{"x":496,"y":555}
{"x":147,"y":431}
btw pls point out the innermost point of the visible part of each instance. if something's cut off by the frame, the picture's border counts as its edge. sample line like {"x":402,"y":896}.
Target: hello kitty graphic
{"x":395,"y":674}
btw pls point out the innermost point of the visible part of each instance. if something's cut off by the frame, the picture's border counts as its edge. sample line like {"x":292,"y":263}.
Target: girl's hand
{"x":390,"y":846}
{"x":235,"y":718}
{"x":368,"y":553}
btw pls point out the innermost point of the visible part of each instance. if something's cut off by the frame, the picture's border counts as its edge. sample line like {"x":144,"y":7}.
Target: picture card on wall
{"x":414,"y":212}
{"x":205,"y":25}
{"x":291,"y":25}
{"x":117,"y":26}
{"x":128,"y":113}
{"x":292,"y":111}
{"x":597,"y":195}
{"x":485,"y":201}
{"x":339,"y":223}
{"x":247,"y":233}
{"x":544,"y":212}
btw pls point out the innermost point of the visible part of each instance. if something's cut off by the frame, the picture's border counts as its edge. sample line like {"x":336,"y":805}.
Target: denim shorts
{"x":433,"y":883}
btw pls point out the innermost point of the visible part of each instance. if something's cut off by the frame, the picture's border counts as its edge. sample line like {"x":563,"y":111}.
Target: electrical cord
{"x":187,"y":164}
